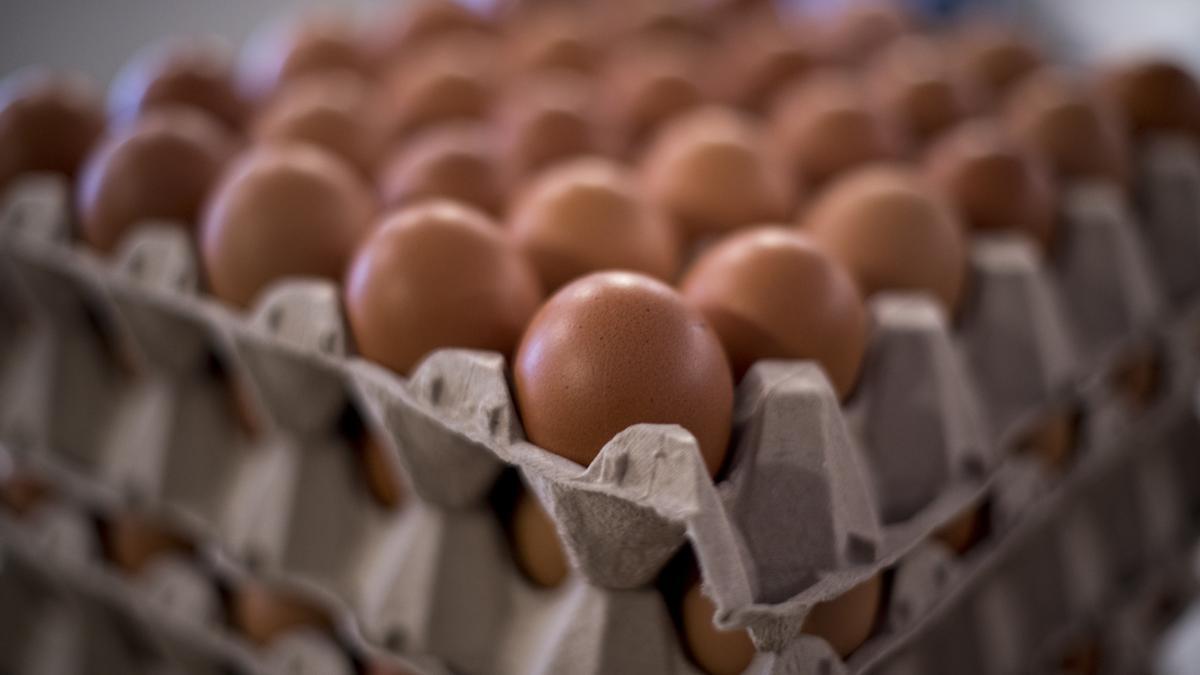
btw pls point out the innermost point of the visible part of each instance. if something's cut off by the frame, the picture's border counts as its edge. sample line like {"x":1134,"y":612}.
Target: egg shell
{"x":281,"y":211}
{"x":825,"y":125}
{"x":413,"y":24}
{"x":380,"y":474}
{"x":588,"y":215}
{"x":771,"y":293}
{"x":859,"y":29}
{"x":912,"y":84}
{"x":1079,"y":135}
{"x":261,"y":613}
{"x":761,"y":53}
{"x":646,"y":84}
{"x":846,"y":621}
{"x":893,"y":232}
{"x":614,"y":349}
{"x":619,"y":20}
{"x":715,"y":651}
{"x":536,"y":546}
{"x":550,"y":37}
{"x":961,"y":533}
{"x":433,"y":276}
{"x":993,"y":183}
{"x":1155,"y":95}
{"x":710,"y":171}
{"x":455,"y":160}
{"x":162,"y":167}
{"x":194,"y":72}
{"x":132,"y":541}
{"x":544,"y":120}
{"x":450,"y":79}
{"x":48,"y":122}
{"x":333,"y":110}
{"x":311,"y":44}
{"x":993,"y":56}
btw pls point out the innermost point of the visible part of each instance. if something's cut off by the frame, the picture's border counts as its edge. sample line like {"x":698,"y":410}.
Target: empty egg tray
{"x":130,"y":391}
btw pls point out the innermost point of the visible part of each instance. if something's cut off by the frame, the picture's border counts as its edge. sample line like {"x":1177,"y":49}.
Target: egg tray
{"x":288,"y":502}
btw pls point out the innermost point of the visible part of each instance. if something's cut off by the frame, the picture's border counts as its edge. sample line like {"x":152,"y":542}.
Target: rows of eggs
{"x":635,"y":201}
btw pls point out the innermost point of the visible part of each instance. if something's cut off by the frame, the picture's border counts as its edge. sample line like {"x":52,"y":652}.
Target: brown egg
{"x":280,"y":211}
{"x":588,"y":215}
{"x":194,"y":72}
{"x":1055,"y":117}
{"x":437,"y":275}
{"x":993,"y":57}
{"x":614,"y":349}
{"x":160,"y":168}
{"x":132,"y":541}
{"x":647,"y":83}
{"x":862,"y":28}
{"x":710,"y":171}
{"x":285,"y":52}
{"x":381,"y":477}
{"x":1155,"y":95}
{"x":333,"y":110}
{"x":912,"y":84}
{"x":550,"y":37}
{"x":619,"y":20}
{"x":455,"y":160}
{"x":846,"y":621}
{"x":963,"y":530}
{"x":893,"y":232}
{"x":714,"y":651}
{"x":546,"y":120}
{"x":536,"y":546}
{"x":770,"y":293}
{"x":993,"y":183}
{"x":261,"y":613}
{"x":48,"y":122}
{"x":413,"y":24}
{"x":761,"y":54}
{"x":450,"y":79}
{"x":824,"y":126}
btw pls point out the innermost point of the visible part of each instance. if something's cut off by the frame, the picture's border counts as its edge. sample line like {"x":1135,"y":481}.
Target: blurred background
{"x":95,"y":36}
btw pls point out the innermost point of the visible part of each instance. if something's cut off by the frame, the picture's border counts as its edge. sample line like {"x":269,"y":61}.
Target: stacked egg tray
{"x":126,"y":390}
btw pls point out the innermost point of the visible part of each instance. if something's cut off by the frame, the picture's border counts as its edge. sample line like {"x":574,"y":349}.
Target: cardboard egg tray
{"x":128,"y":390}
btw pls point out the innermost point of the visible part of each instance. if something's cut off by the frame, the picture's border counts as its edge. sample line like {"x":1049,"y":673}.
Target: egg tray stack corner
{"x":127,"y":389}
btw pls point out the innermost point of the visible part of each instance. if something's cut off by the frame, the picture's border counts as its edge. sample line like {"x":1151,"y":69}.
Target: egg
{"x":545,"y":120}
{"x":589,"y":215}
{"x":824,"y":125}
{"x":451,"y":79}
{"x":550,"y":37}
{"x":1079,"y":136}
{"x":437,"y":275}
{"x":715,"y":651}
{"x":845,"y":622}
{"x":193,"y":72}
{"x":161,"y":168}
{"x":992,"y":57}
{"x":1053,"y":439}
{"x":281,"y":211}
{"x":710,"y":171}
{"x":912,"y":84}
{"x":538,"y":551}
{"x":413,"y":24}
{"x":963,"y":530}
{"x":455,"y":160}
{"x":1155,"y":95}
{"x":619,"y":20}
{"x":859,"y":29}
{"x":21,"y":492}
{"x":314,"y":43}
{"x":262,"y":613}
{"x":132,"y":541}
{"x":333,"y":110}
{"x":893,"y":232}
{"x":48,"y":122}
{"x":380,"y":475}
{"x":647,"y":83}
{"x":993,"y":183}
{"x":771,"y":293}
{"x":760,"y":54}
{"x":614,"y":349}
